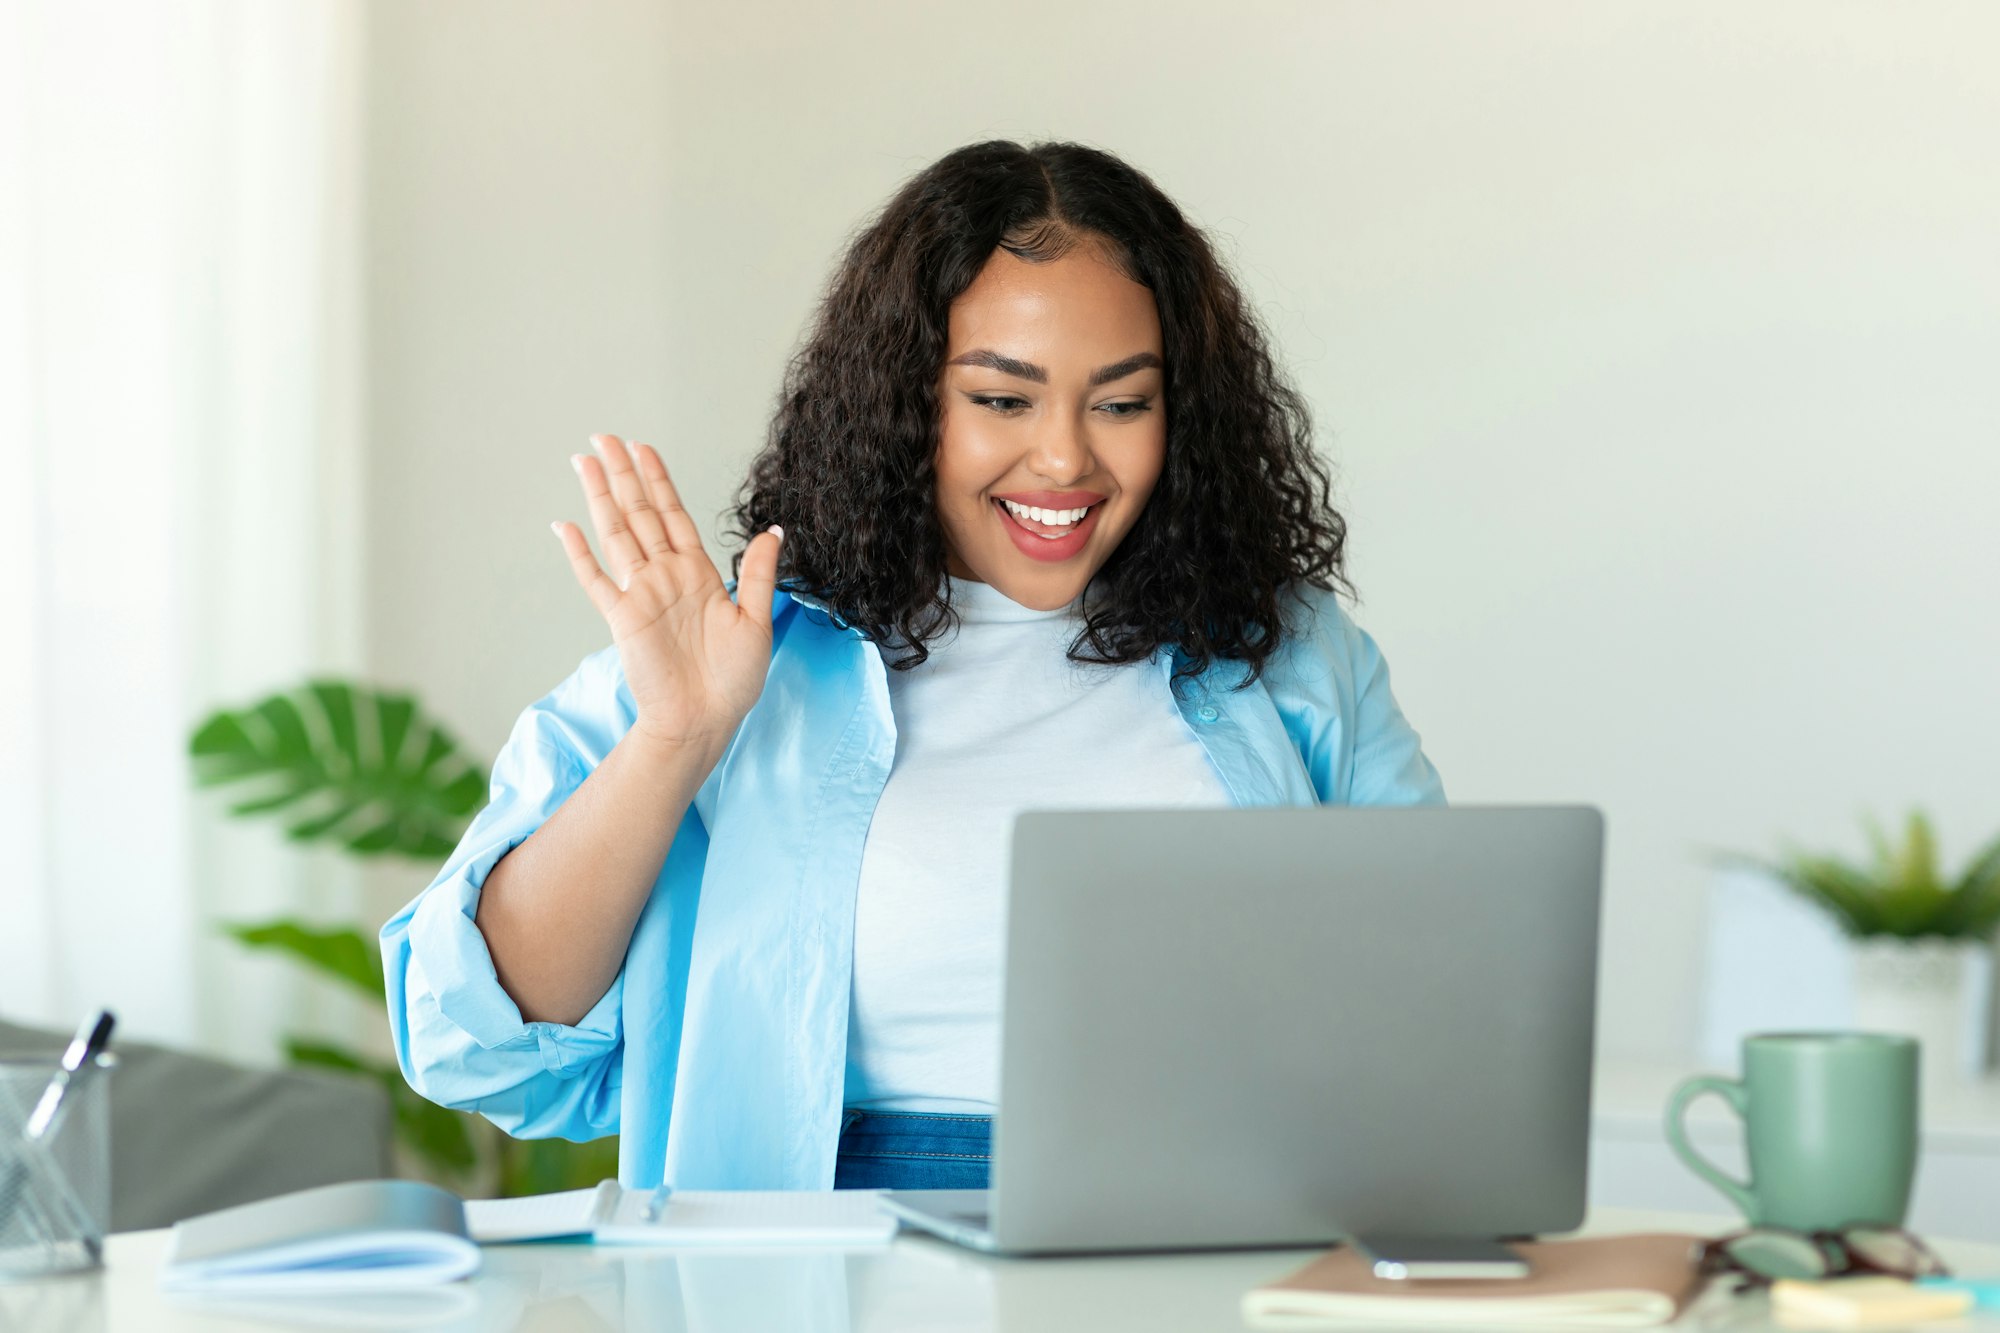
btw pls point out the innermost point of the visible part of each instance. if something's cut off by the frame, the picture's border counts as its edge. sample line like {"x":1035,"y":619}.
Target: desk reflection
{"x":71,"y":1303}
{"x":915,"y":1282}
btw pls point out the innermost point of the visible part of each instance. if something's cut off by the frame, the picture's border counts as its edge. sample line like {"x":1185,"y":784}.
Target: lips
{"x":1029,"y":537}
{"x":1054,"y":499}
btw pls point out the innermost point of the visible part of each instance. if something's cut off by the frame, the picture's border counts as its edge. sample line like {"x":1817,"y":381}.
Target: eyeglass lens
{"x":1776,"y":1254}
{"x":1896,"y":1252}
{"x":1791,"y":1254}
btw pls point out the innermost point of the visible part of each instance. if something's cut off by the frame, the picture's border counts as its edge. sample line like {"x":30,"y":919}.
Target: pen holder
{"x":55,"y":1194}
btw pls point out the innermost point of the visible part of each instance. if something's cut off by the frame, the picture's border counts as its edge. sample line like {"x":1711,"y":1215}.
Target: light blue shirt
{"x":719,"y":1052}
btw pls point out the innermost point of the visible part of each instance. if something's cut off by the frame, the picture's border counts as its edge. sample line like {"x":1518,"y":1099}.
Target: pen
{"x":79,"y":1062}
{"x":33,"y":1159}
{"x":656,"y":1203}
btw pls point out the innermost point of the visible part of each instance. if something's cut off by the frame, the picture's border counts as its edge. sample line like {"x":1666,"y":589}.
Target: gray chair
{"x":191,"y":1134}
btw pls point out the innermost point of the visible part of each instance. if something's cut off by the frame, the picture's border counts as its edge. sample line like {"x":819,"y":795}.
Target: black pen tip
{"x":90,"y":1040}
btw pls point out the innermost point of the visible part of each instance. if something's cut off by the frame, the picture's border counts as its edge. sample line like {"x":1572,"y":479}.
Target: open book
{"x":378,"y":1234}
{"x":1610,"y":1281}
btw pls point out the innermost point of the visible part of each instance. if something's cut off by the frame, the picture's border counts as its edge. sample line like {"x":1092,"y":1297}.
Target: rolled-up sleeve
{"x":460,"y":1039}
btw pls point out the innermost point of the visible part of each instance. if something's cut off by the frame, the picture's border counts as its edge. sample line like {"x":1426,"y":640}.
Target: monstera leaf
{"x":440,"y":1138}
{"x":369,"y":770}
{"x":346,"y":763}
{"x":339,"y":952}
{"x":455,"y":1149}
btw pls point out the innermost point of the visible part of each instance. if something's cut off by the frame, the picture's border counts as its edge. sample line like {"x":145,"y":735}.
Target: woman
{"x":1038,"y":525}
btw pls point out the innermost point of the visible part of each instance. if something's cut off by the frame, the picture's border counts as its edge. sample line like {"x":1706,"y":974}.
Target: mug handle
{"x":1738,"y":1097}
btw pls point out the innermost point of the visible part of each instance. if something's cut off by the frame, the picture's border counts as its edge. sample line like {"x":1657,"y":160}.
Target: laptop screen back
{"x":1260,"y":1027}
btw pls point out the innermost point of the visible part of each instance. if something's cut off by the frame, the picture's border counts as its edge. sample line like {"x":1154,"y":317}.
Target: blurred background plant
{"x":1900,"y":892}
{"x":370,"y":771}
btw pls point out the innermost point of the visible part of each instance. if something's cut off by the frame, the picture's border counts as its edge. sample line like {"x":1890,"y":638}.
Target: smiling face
{"x":1054,"y":423}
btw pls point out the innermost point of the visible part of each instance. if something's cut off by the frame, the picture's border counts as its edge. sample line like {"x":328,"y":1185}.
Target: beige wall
{"x":1654,"y":344}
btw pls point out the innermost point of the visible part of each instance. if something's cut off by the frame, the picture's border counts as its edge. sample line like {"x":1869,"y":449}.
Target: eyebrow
{"x":1028,"y":370}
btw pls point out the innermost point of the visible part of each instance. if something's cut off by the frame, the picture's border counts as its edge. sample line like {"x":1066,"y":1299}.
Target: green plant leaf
{"x":437,"y":1134}
{"x":378,"y":838}
{"x":440,"y":1137}
{"x":344,"y":954}
{"x":274,"y":800}
{"x":425,"y":845}
{"x":318,"y":826}
{"x":1976,"y":896}
{"x":320,"y":1055}
{"x":1844,"y":890}
{"x":1917,"y":865}
{"x":1983,"y":871}
{"x":340,"y":736}
{"x":1879,"y":845}
{"x":362,"y":767}
{"x":1902,"y":892}
{"x":546,"y":1166}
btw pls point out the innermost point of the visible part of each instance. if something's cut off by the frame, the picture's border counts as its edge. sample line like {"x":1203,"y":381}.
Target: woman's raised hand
{"x":694,"y":659}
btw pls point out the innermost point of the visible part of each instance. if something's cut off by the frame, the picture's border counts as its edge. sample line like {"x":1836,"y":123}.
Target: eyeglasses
{"x":1762,"y":1255}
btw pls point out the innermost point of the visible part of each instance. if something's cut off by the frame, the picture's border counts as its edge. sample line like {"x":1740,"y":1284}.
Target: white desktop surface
{"x":914,"y":1283}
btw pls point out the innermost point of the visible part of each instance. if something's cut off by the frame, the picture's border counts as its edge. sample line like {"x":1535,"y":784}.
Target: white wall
{"x":179,"y":225}
{"x":1655,"y":345}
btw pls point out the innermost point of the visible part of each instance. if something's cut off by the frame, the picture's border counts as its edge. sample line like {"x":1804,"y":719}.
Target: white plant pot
{"x":1938,"y":991}
{"x":1776,"y":962}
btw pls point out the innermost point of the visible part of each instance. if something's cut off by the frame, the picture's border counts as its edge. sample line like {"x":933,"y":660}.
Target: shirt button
{"x":1208,"y":713}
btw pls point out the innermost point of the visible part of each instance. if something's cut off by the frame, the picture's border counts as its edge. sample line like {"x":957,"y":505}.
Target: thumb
{"x":757,"y":578}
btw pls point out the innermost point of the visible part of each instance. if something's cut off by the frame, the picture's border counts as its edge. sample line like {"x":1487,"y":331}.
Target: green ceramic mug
{"x":1830,"y":1120}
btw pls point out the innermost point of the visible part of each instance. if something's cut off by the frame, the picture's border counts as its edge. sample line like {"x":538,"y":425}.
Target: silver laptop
{"x":1288,"y":1026}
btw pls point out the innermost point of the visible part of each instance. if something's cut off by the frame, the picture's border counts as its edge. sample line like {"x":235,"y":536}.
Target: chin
{"x":1039,"y":590}
{"x":1043,"y":603}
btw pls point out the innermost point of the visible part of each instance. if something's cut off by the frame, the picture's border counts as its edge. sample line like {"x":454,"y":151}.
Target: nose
{"x":1062,"y":451}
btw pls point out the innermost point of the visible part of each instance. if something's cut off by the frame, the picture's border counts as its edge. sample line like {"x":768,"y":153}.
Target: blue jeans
{"x":903,"y":1150}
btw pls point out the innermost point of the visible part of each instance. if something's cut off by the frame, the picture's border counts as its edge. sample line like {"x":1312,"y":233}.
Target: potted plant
{"x":368,"y":770}
{"x":1921,"y":943}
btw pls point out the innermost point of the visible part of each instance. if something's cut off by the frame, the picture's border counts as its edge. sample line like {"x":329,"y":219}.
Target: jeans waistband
{"x":913,"y":1150}
{"x":941,"y":1124}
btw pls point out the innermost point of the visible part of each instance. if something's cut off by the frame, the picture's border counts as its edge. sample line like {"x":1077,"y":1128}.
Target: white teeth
{"x":1058,"y":518}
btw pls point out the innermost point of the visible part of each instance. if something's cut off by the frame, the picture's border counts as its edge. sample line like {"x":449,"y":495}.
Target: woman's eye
{"x":1007,"y":405}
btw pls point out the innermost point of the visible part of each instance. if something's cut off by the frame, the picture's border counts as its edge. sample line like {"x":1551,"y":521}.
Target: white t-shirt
{"x":998,"y":720}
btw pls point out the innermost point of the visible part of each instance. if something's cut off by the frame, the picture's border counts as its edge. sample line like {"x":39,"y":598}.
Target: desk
{"x":915,"y":1283}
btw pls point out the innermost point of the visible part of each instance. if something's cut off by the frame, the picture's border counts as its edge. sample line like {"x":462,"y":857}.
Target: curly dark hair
{"x":1242,"y":507}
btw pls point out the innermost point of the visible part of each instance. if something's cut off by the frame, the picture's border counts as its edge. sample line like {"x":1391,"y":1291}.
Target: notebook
{"x":1605,"y":1282}
{"x":391,"y":1234}
{"x":610,"y":1215}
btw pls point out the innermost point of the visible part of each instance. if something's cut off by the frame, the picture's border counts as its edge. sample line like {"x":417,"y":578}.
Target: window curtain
{"x":180,"y":516}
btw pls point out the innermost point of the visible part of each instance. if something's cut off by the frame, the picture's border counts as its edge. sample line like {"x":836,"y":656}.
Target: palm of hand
{"x":690,"y":656}
{"x":694,"y":659}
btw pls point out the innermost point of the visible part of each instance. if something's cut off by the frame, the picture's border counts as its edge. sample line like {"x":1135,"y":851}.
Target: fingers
{"x":681,"y":529}
{"x":602,"y":591}
{"x":631,"y":494}
{"x":757,"y":577}
{"x":621,"y":549}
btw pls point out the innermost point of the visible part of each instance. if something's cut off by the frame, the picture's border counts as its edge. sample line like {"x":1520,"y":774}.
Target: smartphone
{"x":1418,"y":1259}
